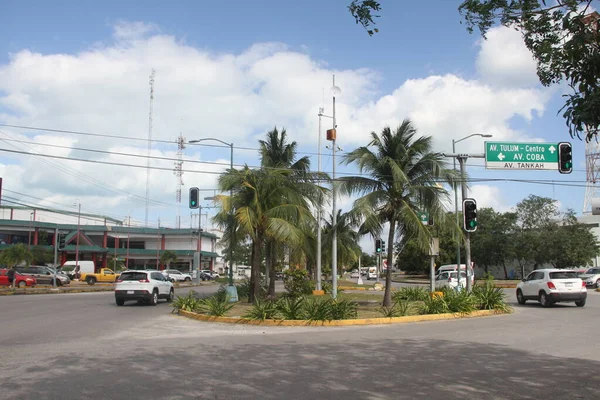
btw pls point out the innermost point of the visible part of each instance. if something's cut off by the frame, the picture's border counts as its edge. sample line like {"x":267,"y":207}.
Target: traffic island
{"x":343,"y":322}
{"x":66,"y":289}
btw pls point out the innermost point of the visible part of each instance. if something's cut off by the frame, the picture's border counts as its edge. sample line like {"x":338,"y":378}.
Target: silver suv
{"x":144,"y":287}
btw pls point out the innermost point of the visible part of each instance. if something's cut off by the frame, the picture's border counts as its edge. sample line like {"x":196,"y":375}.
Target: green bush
{"x":488,"y":297}
{"x":400,"y":308}
{"x":434,"y":305}
{"x":192,"y":302}
{"x":297,"y":283}
{"x":343,"y":309}
{"x":262,"y":309}
{"x":317,"y":310}
{"x":416,"y":293}
{"x":460,"y":302}
{"x":291,"y":308}
{"x":217,"y":306}
{"x":327,"y":287}
{"x":243,"y":288}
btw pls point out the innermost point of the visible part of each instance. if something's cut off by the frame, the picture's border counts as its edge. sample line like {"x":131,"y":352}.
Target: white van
{"x":372,"y":273}
{"x":86,"y":267}
{"x":452,"y":268}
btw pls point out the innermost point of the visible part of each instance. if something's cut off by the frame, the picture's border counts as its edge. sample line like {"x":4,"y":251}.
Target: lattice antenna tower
{"x":178,"y":172}
{"x":592,"y":147}
{"x":150,"y":120}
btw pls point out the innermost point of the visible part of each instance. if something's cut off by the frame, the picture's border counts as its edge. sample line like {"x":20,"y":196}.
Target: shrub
{"x":400,"y":308}
{"x":192,"y":302}
{"x":434,"y":305}
{"x":416,"y":293}
{"x":327,"y":287}
{"x":243,"y":288}
{"x":297,"y":283}
{"x":262,"y":309}
{"x":217,"y":306}
{"x":488,"y":297}
{"x":460,"y":302}
{"x":291,"y":308}
{"x":317,"y":310}
{"x":221,"y":294}
{"x":343,"y":309}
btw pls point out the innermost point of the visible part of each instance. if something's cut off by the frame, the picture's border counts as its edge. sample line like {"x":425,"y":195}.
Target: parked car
{"x":549,"y":286}
{"x":448,"y":279}
{"x":591,"y":277}
{"x":20,"y":279}
{"x":213,"y":274}
{"x":354,"y":274}
{"x":43,"y":275}
{"x":177,"y":275}
{"x":143,"y":286}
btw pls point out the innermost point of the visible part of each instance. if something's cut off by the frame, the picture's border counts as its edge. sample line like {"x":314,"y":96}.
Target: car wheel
{"x":120,"y":302}
{"x":188,"y":279}
{"x":90,"y":280}
{"x":598,"y":284}
{"x":580,"y":303}
{"x":154,"y":299}
{"x":171,"y":296}
{"x":22,"y":284}
{"x":520,"y":298}
{"x":544,"y":300}
{"x":58,"y":282}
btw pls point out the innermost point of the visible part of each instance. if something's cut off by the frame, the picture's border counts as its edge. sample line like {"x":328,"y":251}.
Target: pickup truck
{"x":105,"y":275}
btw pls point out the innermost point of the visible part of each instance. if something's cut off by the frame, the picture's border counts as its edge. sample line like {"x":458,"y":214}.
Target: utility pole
{"x":55,"y":255}
{"x":77,"y":240}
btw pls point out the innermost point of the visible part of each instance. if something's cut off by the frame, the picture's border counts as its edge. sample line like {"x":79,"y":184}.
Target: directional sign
{"x":424,"y":217}
{"x":515,"y":155}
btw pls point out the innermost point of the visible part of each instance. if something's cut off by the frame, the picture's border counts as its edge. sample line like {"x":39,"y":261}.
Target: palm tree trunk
{"x":268,"y":261}
{"x":255,"y":269}
{"x":387,"y":296}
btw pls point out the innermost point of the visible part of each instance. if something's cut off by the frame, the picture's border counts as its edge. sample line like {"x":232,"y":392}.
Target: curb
{"x":598,"y":290}
{"x":344,"y":322}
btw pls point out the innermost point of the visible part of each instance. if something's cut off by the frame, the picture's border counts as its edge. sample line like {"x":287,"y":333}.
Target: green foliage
{"x":167,"y":257}
{"x":221,"y":294}
{"x":400,"y":308}
{"x":291,"y":308}
{"x":192,"y":303}
{"x":415,"y":293}
{"x":262,"y":309}
{"x":460,"y":302}
{"x":297,"y":283}
{"x":434,"y":305}
{"x":327,"y":287}
{"x":317,"y":309}
{"x":243,"y":288}
{"x":488,"y":297}
{"x":41,"y":256}
{"x":15,"y":255}
{"x":217,"y":305}
{"x":343,"y":309}
{"x":363,"y":12}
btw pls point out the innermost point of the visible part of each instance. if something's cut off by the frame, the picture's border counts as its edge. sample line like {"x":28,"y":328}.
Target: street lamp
{"x":231,"y":289}
{"x":77,"y":241}
{"x":332,"y":135}
{"x":456,"y":207}
{"x":31,"y":215}
{"x":320,"y":205}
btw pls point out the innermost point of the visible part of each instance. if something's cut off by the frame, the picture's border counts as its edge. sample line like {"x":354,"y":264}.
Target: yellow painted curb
{"x":318,"y":293}
{"x":352,"y":288}
{"x":598,"y":290}
{"x":343,"y":322}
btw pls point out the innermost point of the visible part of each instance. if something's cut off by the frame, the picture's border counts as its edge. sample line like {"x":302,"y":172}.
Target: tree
{"x":41,"y":256}
{"x":400,"y":177}
{"x":348,"y":249}
{"x":492,"y":245}
{"x":564,"y":40}
{"x":15,"y":255}
{"x":167,"y":257}
{"x":267,"y":204}
{"x":573,"y":244}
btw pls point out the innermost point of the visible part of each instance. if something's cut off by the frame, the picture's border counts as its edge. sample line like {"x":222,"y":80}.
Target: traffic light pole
{"x":56,"y":244}
{"x":463,"y":177}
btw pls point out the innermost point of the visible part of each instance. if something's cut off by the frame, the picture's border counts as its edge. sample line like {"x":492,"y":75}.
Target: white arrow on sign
{"x":501,"y":156}
{"x":552,"y":149}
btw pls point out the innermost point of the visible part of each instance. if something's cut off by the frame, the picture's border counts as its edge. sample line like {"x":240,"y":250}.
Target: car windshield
{"x":593,"y":271}
{"x":133,"y":276}
{"x":563,"y":275}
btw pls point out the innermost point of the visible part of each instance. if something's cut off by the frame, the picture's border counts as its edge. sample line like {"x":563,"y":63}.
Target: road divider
{"x":64,"y":289}
{"x":343,"y":322}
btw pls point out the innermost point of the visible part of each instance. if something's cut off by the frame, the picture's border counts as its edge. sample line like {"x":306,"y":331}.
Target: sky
{"x":233,"y":70}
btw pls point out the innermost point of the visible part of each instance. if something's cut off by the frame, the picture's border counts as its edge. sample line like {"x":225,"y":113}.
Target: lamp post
{"x":231,"y":289}
{"x":319,"y":209}
{"x":77,"y":240}
{"x":332,"y":135}
{"x":30,"y":223}
{"x":456,"y":211}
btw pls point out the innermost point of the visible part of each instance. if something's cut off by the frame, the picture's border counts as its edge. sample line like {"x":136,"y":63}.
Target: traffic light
{"x":470,"y":215}
{"x":61,"y":241}
{"x":378,"y":246}
{"x":383,"y":246}
{"x":430,"y":220}
{"x":194,"y":197}
{"x":565,"y":158}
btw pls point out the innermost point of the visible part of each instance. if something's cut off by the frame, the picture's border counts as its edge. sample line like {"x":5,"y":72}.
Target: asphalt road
{"x":78,"y":346}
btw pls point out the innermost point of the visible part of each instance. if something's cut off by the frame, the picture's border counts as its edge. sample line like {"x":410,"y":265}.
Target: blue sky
{"x":84,"y":66}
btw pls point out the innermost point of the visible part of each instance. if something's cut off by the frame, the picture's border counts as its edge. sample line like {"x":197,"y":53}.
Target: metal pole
{"x":199,"y":247}
{"x":231,"y":289}
{"x":462,"y":161}
{"x":334,"y":218}
{"x":431,"y":269}
{"x":29,"y":240}
{"x":77,"y":241}
{"x":55,"y":255}
{"x":319,"y":208}
{"x":456,"y":216}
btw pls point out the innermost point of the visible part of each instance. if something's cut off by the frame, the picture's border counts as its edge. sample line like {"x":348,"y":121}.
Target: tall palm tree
{"x":401,"y":176}
{"x":167,"y":257}
{"x":268,"y":205}
{"x":348,"y":249}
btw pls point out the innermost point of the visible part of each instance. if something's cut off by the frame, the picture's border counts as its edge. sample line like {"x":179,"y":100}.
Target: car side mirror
{"x":523,"y":280}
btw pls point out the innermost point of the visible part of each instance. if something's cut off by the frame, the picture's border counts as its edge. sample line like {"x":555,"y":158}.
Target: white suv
{"x":549,"y":286}
{"x":177,"y":275}
{"x":143,"y":286}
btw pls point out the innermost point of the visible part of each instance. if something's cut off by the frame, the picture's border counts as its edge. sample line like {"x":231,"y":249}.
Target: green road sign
{"x":509,"y":155}
{"x":424,"y":217}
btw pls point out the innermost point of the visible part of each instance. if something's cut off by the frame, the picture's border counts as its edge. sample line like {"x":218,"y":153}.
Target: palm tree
{"x":167,"y":257}
{"x":268,"y":204}
{"x":402,"y":178}
{"x":15,"y":255}
{"x":348,"y":248}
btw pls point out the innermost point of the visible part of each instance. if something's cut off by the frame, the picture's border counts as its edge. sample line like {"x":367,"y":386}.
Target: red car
{"x":20,"y":280}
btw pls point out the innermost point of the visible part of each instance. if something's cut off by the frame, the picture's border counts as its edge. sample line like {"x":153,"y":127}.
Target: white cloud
{"x":202,"y":93}
{"x":504,"y":60}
